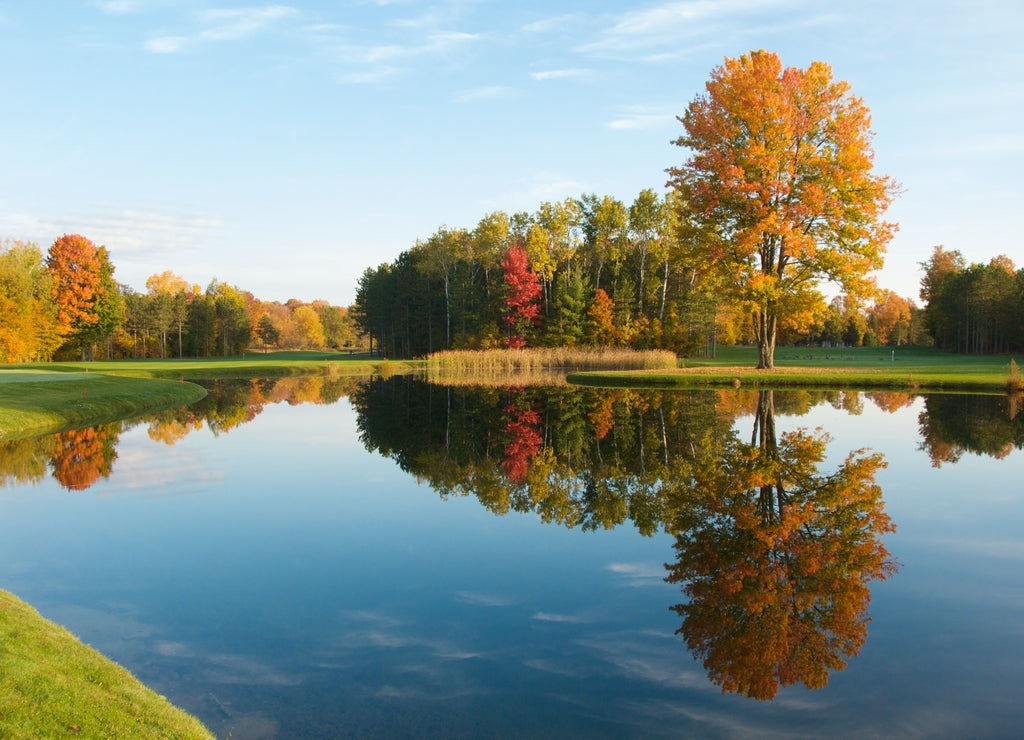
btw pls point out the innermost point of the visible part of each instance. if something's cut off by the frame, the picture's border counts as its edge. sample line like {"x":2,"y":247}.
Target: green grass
{"x":51,"y":685}
{"x":249,"y":365}
{"x":50,"y":397}
{"x":36,"y":401}
{"x":914,"y":368}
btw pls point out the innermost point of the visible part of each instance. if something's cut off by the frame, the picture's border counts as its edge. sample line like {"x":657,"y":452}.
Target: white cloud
{"x":117,"y":7}
{"x":371,"y":63}
{"x":642,"y":119}
{"x":167,"y":44}
{"x":223,"y":25}
{"x":697,"y":22}
{"x":236,"y":24}
{"x":482,"y":93}
{"x":559,"y":74}
{"x":555,"y":23}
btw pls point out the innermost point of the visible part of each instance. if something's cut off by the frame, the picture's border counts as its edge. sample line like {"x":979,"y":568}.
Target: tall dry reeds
{"x":520,"y":365}
{"x":1015,"y":384}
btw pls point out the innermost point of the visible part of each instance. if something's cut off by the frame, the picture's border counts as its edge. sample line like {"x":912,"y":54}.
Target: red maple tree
{"x":521,"y":308}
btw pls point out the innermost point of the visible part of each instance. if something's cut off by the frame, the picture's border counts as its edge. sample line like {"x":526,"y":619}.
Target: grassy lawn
{"x":51,"y":685}
{"x":37,"y":401}
{"x":909,"y":368}
{"x":250,"y":365}
{"x":50,"y":397}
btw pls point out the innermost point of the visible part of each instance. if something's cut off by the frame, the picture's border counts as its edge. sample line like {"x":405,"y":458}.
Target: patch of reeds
{"x":1015,"y":384}
{"x":538,"y":365}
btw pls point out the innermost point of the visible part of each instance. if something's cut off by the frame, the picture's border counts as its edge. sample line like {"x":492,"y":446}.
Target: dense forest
{"x":775,"y":200}
{"x":68,"y":304}
{"x":609,"y":274}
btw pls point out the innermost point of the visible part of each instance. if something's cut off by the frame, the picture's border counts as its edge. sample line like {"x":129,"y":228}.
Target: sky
{"x":285,"y":148}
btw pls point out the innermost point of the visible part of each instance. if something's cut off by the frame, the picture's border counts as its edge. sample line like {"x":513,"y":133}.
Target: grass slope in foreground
{"x":36,"y":402}
{"x":51,"y":685}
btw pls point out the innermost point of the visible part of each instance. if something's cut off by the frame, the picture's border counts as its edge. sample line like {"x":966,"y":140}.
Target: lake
{"x":321,"y":557}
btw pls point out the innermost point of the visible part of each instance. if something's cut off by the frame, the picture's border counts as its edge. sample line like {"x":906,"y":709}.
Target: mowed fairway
{"x":867,"y":368}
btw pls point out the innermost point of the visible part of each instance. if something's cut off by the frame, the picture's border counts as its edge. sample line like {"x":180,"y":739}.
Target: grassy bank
{"x":36,"y":402}
{"x":35,"y":399}
{"x":249,"y":365}
{"x":51,"y":685}
{"x":861,"y":368}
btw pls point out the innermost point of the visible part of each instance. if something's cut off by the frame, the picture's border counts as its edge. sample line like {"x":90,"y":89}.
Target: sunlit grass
{"x":908,"y":368}
{"x":33,"y":402}
{"x":51,"y":685}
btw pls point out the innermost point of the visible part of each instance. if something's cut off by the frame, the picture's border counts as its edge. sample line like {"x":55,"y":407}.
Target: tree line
{"x":776,"y":196}
{"x":608,"y":273}
{"x":67,"y":304}
{"x":973,"y":308}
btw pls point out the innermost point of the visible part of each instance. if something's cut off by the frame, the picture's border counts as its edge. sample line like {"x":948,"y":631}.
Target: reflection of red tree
{"x":83,"y":456}
{"x":524,"y":429}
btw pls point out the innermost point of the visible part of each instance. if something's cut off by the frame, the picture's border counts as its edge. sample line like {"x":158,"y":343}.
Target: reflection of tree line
{"x":951,"y":425}
{"x":774,"y":556}
{"x":78,"y":458}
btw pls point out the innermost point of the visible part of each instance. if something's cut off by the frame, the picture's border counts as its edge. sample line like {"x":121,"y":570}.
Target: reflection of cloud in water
{"x":238,"y":669}
{"x":559,"y":668}
{"x":640,"y":574}
{"x":162,"y":475}
{"x":561,"y":618}
{"x":483,"y":599}
{"x":642,"y":659}
{"x":173,"y":649}
{"x":990,"y":548}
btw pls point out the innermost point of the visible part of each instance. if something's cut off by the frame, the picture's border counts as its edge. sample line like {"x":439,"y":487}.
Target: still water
{"x":332,"y":558}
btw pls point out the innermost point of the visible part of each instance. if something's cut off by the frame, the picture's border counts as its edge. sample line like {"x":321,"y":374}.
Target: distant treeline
{"x":67,"y":304}
{"x":609,"y":274}
{"x":976,"y":308}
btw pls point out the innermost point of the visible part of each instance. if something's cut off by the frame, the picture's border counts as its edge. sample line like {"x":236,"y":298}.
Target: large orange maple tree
{"x":778,"y":190}
{"x":75,"y":265}
{"x":776,"y":558}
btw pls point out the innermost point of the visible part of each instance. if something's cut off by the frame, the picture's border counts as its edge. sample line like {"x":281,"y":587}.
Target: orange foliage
{"x":74,"y":264}
{"x":83,"y":456}
{"x":776,"y":559}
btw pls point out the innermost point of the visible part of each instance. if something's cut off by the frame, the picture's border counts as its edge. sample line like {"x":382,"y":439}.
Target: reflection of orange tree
{"x":776,"y":558}
{"x":231,"y":403}
{"x":83,"y":456}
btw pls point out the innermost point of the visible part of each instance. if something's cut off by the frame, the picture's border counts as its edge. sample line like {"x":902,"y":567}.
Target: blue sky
{"x":284,"y":148}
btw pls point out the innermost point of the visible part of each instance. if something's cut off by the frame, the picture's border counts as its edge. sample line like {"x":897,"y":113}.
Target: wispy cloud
{"x":482,"y":93}
{"x":559,"y":74}
{"x":683,"y":26}
{"x":118,"y":7}
{"x":223,"y":25}
{"x":554,"y":23}
{"x":132,"y":231}
{"x":642,"y":118}
{"x":373,"y":62}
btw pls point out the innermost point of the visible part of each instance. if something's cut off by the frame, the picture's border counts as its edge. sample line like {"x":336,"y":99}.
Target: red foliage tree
{"x":525,"y":439}
{"x":521,"y":308}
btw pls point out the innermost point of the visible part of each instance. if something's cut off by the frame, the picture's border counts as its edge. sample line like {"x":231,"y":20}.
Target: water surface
{"x":325,"y":559}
